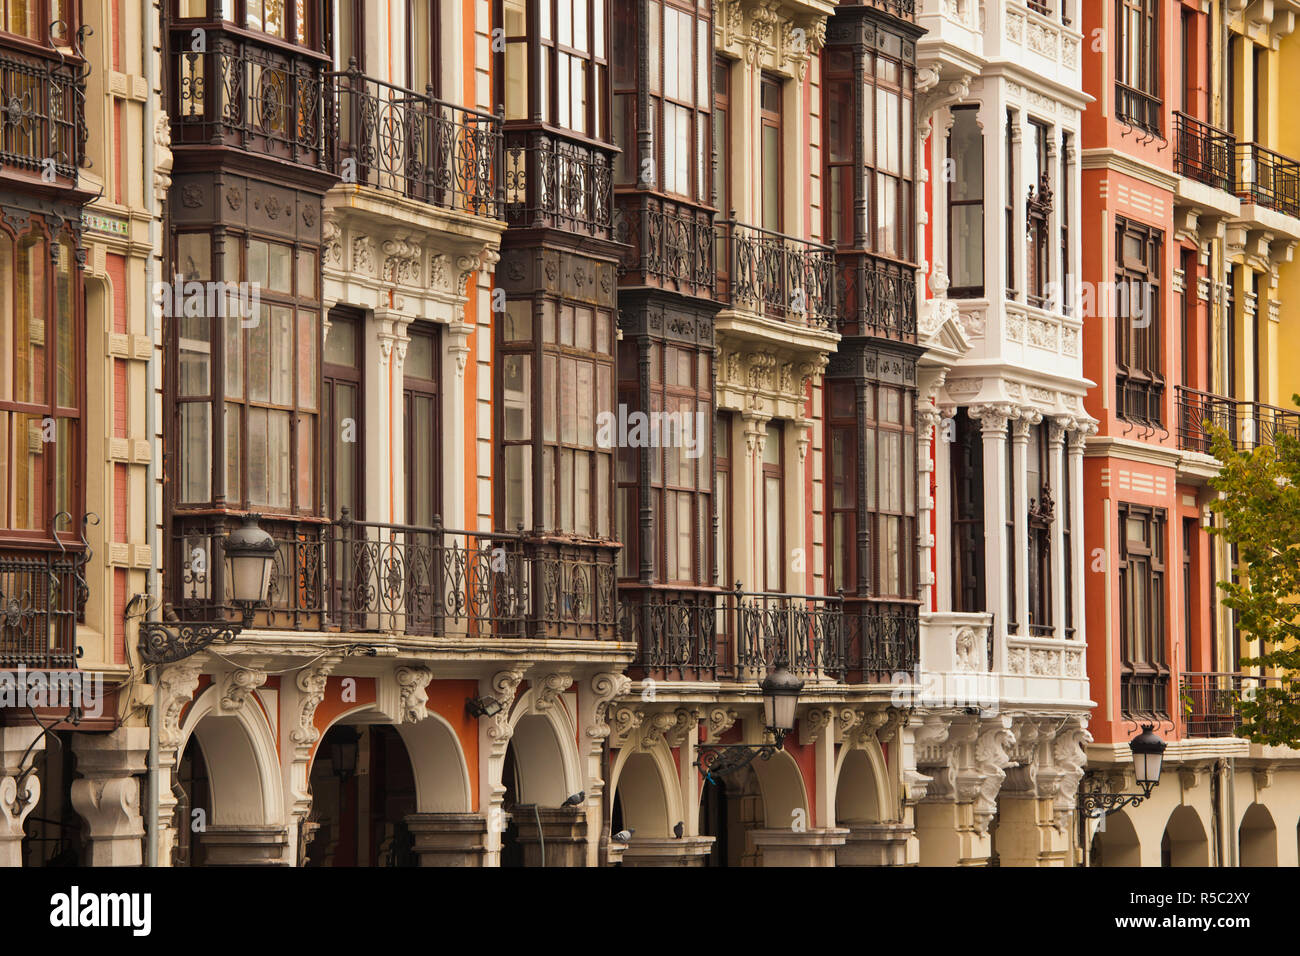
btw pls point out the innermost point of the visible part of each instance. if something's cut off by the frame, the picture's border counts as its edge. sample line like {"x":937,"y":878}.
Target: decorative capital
{"x":411,"y":682}
{"x":236,"y":685}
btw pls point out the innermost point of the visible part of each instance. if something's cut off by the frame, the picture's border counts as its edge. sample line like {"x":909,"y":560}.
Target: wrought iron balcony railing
{"x":877,"y":296}
{"x":903,"y":9}
{"x":1139,"y":109}
{"x":1209,"y":700}
{"x":1203,"y":153}
{"x":558,"y":182}
{"x":807,"y":630}
{"x":42,"y":115}
{"x":1268,"y":178}
{"x":416,"y":145}
{"x":670,"y":244}
{"x":776,"y":275}
{"x":882,"y":639}
{"x":43,"y":594}
{"x":1145,"y":695}
{"x":677,"y":632}
{"x":251,"y":93}
{"x":1248,"y":424}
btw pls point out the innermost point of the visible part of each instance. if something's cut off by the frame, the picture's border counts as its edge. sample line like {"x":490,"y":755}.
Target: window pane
{"x":582,"y":492}
{"x":568,"y":401}
{"x":518,"y":493}
{"x":306,"y":464}
{"x":549,"y":398}
{"x":772,"y":534}
{"x":602,"y":495}
{"x":195,"y":452}
{"x":281,"y":357}
{"x":234,"y":490}
{"x":516,"y":387}
{"x":307,"y":369}
{"x":420,"y":358}
{"x":685,"y":546}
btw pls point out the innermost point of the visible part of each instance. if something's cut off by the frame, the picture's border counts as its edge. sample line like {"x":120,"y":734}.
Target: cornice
{"x":1107,"y":158}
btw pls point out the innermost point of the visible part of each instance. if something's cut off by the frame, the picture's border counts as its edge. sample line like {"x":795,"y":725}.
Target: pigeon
{"x":623,"y":836}
{"x":575,"y":799}
{"x":679,"y":830}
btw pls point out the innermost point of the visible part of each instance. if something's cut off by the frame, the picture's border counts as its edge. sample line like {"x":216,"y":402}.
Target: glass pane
{"x":773,"y":559}
{"x":341,"y":343}
{"x":258,"y":262}
{"x":193,"y":256}
{"x":419,"y":357}
{"x":582,"y":338}
{"x":566,"y":490}
{"x":703,"y":47}
{"x":771,"y":178}
{"x":721,"y":485}
{"x":234,"y":491}
{"x":516,"y":388}
{"x":307,"y":368}
{"x":518,"y":493}
{"x":601,"y":497}
{"x":344,"y":452}
{"x":306,"y":274}
{"x":282,"y":356}
{"x":582,"y":492}
{"x":234,"y":358}
{"x":671,"y":53}
{"x":64,"y":467}
{"x":29,"y":332}
{"x":550,"y":398}
{"x":306,"y":464}
{"x":772,"y":445}
{"x":195,"y":458}
{"x":653,"y":47}
{"x":518,"y":321}
{"x":586,"y":406}
{"x":568,"y":401}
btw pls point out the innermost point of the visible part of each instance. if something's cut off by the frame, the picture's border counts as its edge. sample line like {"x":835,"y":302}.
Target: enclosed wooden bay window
{"x":556,"y":64}
{"x":42,"y":376}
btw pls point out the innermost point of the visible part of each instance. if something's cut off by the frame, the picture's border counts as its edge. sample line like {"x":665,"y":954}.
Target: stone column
{"x":448,"y":839}
{"x":1020,"y":501}
{"x":561,"y":839}
{"x":107,"y":794}
{"x":19,"y":793}
{"x":993,"y":428}
{"x":1078,"y":438}
{"x":929,"y":421}
{"x":1056,"y":482}
{"x":792,"y":848}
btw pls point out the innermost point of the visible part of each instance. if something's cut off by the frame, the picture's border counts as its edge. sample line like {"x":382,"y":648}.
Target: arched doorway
{"x":640,"y":800}
{"x":363,"y":789}
{"x":1184,"y":842}
{"x":1257,"y":837}
{"x":1117,"y":844}
{"x":857,"y":799}
{"x":730,"y":807}
{"x":539,"y":781}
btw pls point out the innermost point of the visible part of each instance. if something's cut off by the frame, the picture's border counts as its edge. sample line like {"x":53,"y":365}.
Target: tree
{"x":1258,"y":510}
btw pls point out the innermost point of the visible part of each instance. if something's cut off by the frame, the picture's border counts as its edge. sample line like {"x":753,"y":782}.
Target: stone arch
{"x":545,"y":752}
{"x":1257,"y":837}
{"x":1118,"y":844}
{"x":782,"y":786}
{"x":442,"y":781}
{"x":861,"y":789}
{"x":646,"y":784}
{"x":242,"y":760}
{"x":1184,"y":842}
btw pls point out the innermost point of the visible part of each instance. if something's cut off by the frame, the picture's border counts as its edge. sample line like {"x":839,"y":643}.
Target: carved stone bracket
{"x":411,"y":682}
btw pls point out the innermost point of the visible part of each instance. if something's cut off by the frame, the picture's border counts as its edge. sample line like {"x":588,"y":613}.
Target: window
{"x":967,"y":451}
{"x":722,"y":489}
{"x":1137,"y":64}
{"x":1063,"y":191}
{"x":770,"y":152}
{"x":562,"y":43}
{"x":841,"y":478}
{"x":885,"y":466}
{"x":279,"y":18}
{"x":891,"y":171}
{"x":773,"y":508}
{"x":34,"y":19}
{"x":1189,"y":536}
{"x":1010,"y":208}
{"x":1144,"y":676}
{"x":1038,"y":207}
{"x":265,"y":379}
{"x":422,"y":59}
{"x":966,"y":204}
{"x":1067,"y":554}
{"x":722,"y":135}
{"x":677,"y":442}
{"x":41,"y":381}
{"x":1042,"y":512}
{"x":343,"y":405}
{"x":1139,"y":376}
{"x":574,"y":389}
{"x":679,"y":60}
{"x":840,"y":143}
{"x":423,"y":424}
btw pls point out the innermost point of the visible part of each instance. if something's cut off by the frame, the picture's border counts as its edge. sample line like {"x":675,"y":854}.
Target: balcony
{"x":878,"y":296}
{"x":416,"y":145}
{"x":676,"y":632}
{"x":367,"y":577}
{"x":806,"y":630}
{"x":670,"y":244}
{"x":1209,"y":700}
{"x":880,"y":640}
{"x":776,"y":276}
{"x":1248,"y":424}
{"x":42,"y":597}
{"x":1138,"y":109}
{"x":1203,"y":153}
{"x":42,"y":117}
{"x":558,"y":182}
{"x":1268,"y":179}
{"x":903,"y":9}
{"x":251,"y":93}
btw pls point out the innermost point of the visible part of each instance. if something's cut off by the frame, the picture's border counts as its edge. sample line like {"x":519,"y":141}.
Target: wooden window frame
{"x":1139,"y":360}
{"x":44,"y":37}
{"x":334,"y":376}
{"x":662,"y":491}
{"x":771,"y":119}
{"x":412,"y":389}
{"x":842,"y":558}
{"x":776,"y":432}
{"x":721,"y":136}
{"x":969,"y":291}
{"x":967,"y":469}
{"x":1143,"y":657}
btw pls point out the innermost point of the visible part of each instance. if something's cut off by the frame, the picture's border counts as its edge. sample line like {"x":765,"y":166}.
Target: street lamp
{"x":250,"y":558}
{"x":780,"y":690}
{"x":1148,"y":754}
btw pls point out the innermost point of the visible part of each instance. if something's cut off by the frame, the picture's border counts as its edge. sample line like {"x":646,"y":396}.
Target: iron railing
{"x":1140,"y":401}
{"x":882,"y":639}
{"x":426,"y":580}
{"x":250,"y":94}
{"x":1248,"y":424}
{"x":903,"y":9}
{"x":670,"y":245}
{"x":1268,"y":178}
{"x":1144,"y":695}
{"x":877,"y":296}
{"x":1138,"y":109}
{"x":805,"y":630}
{"x":1210,"y":700}
{"x":1203,"y":152}
{"x":42,"y":114}
{"x":42,"y":596}
{"x":558,"y":182}
{"x":416,"y":145}
{"x":676,"y":632}
{"x":776,"y":275}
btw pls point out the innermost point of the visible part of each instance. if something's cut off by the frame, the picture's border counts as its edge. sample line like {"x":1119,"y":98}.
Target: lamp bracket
{"x":718,"y":760}
{"x":168,"y":643}
{"x":1095,"y":802}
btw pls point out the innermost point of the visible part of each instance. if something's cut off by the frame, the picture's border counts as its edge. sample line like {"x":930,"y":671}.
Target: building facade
{"x":584,"y":362}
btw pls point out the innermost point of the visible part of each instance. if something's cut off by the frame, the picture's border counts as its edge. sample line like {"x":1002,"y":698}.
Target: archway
{"x":641,"y":801}
{"x":1257,"y":837}
{"x":1184,"y":842}
{"x":730,"y":807}
{"x":1118,"y":844}
{"x":363,"y":788}
{"x":857,"y":794}
{"x":540,"y":776}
